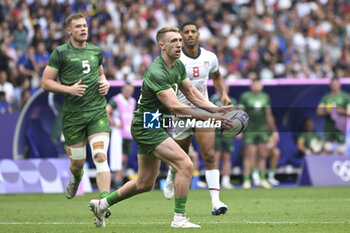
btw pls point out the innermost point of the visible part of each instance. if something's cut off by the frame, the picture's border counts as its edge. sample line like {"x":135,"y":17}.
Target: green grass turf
{"x":305,"y":209}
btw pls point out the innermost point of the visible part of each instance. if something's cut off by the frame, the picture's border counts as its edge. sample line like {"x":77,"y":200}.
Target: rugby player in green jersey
{"x":164,"y":77}
{"x":255,"y":138}
{"x":78,"y":65}
{"x":334,"y":106}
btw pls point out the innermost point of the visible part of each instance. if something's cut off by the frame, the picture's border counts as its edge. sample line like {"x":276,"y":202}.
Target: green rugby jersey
{"x":73,"y":64}
{"x":255,"y":106}
{"x":330,"y":101}
{"x":157,"y":79}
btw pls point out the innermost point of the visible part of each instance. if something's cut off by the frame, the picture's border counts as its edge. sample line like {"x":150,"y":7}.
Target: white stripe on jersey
{"x":198,"y":70}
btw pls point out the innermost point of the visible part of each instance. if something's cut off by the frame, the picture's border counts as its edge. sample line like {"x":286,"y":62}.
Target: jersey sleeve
{"x":157,"y":82}
{"x":55,"y":61}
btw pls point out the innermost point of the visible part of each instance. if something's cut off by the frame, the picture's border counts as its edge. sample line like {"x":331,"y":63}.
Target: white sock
{"x":225,"y":180}
{"x":104,"y":204}
{"x":213,"y":180}
{"x":178,"y":216}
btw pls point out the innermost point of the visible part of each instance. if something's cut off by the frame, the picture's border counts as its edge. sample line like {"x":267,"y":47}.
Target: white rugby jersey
{"x":198,"y":70}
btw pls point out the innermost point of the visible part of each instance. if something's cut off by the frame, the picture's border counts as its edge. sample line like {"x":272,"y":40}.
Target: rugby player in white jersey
{"x":200,"y":65}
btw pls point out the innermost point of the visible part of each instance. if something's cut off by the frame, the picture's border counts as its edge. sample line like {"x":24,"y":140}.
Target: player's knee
{"x":144,"y":186}
{"x":187,"y":167}
{"x":100,"y":157}
{"x":209,"y":156}
{"x":76,"y":165}
{"x":99,"y":146}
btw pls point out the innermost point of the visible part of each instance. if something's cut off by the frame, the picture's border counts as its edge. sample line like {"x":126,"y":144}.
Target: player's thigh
{"x":98,"y":122}
{"x":148,"y":168}
{"x":205,"y":139}
{"x":74,"y":129}
{"x":171,"y":153}
{"x":185,"y":143}
{"x":263,"y":150}
{"x":250,"y":151}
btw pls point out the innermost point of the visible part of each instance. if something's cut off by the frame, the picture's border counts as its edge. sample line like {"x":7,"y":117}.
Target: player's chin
{"x":177,"y":55}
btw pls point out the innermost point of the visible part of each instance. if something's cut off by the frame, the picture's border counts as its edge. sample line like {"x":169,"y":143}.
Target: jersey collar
{"x":199,"y":52}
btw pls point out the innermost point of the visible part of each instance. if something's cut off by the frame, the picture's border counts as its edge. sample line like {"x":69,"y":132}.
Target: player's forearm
{"x":53,"y":86}
{"x":103,"y":77}
{"x":219,"y":85}
{"x":186,"y":112}
{"x":196,"y":98}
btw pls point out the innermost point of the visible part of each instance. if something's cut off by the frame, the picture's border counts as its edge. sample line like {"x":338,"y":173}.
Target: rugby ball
{"x":240,"y":121}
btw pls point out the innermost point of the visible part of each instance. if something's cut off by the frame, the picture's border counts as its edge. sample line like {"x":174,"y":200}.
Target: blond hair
{"x":72,"y":17}
{"x":162,"y":31}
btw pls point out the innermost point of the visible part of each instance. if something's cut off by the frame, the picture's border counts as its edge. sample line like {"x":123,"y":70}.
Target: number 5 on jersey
{"x":86,"y":66}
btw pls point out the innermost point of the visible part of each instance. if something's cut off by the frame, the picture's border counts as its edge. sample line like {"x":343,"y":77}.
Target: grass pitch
{"x":303,"y":209}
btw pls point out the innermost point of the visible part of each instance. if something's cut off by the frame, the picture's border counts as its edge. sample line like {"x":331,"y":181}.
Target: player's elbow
{"x":44,"y":84}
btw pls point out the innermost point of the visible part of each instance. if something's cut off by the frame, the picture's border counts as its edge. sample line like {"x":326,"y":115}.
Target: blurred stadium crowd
{"x":261,"y":38}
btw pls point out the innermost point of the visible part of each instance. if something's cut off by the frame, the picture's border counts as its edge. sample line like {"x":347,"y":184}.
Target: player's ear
{"x":161,"y":45}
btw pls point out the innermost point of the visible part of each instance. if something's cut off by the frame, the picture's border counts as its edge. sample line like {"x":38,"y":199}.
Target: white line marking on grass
{"x":166,"y":223}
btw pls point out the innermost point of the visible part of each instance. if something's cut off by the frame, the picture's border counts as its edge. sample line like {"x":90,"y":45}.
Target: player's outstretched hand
{"x":78,"y":89}
{"x":225,"y":100}
{"x":104,"y":87}
{"x":225,"y":123}
{"x":225,"y":109}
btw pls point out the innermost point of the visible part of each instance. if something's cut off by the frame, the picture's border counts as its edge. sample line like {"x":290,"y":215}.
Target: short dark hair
{"x":188,"y":23}
{"x":72,"y":17}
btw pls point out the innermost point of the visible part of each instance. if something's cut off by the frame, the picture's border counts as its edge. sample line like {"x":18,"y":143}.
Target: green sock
{"x":113,"y":198}
{"x":262,"y":175}
{"x":78,"y":177}
{"x":180,"y":204}
{"x":246,"y":178}
{"x":104,"y":194}
{"x":254,"y":169}
{"x":272,"y":171}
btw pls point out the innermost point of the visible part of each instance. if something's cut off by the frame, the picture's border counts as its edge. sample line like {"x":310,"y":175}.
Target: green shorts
{"x":147,"y":139}
{"x":127,"y":146}
{"x":335,"y":135}
{"x":255,"y":137}
{"x":223,"y":144}
{"x":79,"y":125}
